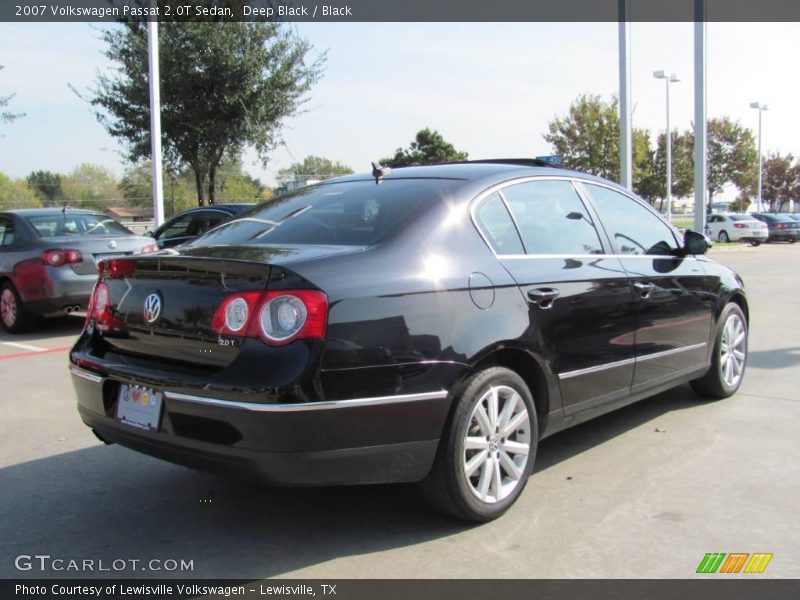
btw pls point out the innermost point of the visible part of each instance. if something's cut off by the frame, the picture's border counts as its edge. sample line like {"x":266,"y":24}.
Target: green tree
{"x":236,"y":184}
{"x":587,"y":139}
{"x":428,"y":148}
{"x":780,"y":181}
{"x":682,"y":165}
{"x":91,"y":186}
{"x":732,"y":157}
{"x":6,"y":116}
{"x":46,"y":184}
{"x":224,"y":86}
{"x":313,"y":167}
{"x":16,"y":194}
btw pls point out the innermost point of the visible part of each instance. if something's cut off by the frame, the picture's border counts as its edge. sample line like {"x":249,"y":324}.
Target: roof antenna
{"x":379,"y":171}
{"x":65,"y":207}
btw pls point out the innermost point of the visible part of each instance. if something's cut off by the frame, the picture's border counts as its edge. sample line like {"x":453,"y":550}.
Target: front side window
{"x":632,"y":227}
{"x":552,"y":218}
{"x":177,"y":228}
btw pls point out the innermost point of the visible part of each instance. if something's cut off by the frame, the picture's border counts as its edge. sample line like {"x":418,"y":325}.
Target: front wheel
{"x":488,"y":448}
{"x":730,"y":356}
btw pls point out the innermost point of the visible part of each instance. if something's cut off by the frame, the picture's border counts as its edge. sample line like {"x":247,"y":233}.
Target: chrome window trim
{"x":87,"y":375}
{"x":300,"y":407}
{"x":628,"y":361}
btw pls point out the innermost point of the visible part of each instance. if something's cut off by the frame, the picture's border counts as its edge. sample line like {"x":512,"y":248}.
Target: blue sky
{"x":489,"y":88}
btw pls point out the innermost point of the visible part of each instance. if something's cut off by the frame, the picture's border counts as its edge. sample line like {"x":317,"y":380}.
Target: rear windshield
{"x":59,"y":224}
{"x":740,"y":217}
{"x":355,"y":213}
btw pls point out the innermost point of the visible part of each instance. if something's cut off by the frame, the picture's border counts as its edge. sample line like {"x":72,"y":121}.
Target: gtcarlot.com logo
{"x":46,"y":563}
{"x":735,"y":562}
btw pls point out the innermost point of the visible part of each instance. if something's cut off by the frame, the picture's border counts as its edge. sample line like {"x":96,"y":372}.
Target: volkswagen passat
{"x":426,"y":324}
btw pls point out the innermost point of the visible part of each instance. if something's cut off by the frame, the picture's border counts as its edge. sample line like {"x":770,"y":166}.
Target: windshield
{"x":77,"y":224}
{"x":354,"y":213}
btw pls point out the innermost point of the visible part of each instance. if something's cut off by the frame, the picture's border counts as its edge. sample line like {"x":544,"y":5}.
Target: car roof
{"x":488,"y":169}
{"x":31,"y":212}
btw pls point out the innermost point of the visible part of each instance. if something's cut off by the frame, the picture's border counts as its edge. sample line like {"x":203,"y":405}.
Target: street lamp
{"x":760,"y":108}
{"x":671,"y":78}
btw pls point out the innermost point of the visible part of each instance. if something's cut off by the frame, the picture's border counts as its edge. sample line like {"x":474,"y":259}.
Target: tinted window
{"x":356,"y":213}
{"x":60,"y":224}
{"x":632,"y":227}
{"x":205,"y":220}
{"x":175,"y":229}
{"x":552,"y":218}
{"x":740,"y":218}
{"x":496,"y":223}
{"x":6,"y":232}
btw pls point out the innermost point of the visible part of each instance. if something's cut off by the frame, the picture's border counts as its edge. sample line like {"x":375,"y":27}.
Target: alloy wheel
{"x":733,"y":350}
{"x":497,"y":444}
{"x":8,"y":307}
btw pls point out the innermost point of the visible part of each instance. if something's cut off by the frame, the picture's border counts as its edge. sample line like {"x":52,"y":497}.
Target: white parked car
{"x":735,"y":227}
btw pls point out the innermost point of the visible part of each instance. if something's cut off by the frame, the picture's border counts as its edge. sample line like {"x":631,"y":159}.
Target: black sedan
{"x":426,"y":324}
{"x":48,"y":260}
{"x":782,"y":228}
{"x":190,"y":223}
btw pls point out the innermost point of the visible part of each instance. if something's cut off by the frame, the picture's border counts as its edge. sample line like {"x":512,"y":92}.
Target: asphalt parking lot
{"x":642,"y":492}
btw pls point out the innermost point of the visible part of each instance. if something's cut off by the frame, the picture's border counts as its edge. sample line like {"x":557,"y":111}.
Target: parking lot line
{"x":34,"y":352}
{"x":23,"y":346}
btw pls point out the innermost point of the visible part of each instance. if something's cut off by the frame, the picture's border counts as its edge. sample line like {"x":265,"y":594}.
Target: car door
{"x":673,"y":295}
{"x":714,"y":226}
{"x":580,"y":303}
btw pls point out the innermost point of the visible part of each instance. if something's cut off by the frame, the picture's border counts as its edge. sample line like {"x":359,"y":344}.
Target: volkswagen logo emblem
{"x":112,"y":244}
{"x":152,"y":308}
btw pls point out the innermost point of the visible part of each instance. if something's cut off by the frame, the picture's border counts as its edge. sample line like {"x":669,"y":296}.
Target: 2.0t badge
{"x":152,"y":308}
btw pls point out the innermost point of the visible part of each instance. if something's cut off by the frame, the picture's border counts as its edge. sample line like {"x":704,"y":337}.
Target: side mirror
{"x":148,"y":234}
{"x":695,"y":243}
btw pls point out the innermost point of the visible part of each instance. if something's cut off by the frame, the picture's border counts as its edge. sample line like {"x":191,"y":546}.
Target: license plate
{"x":139,"y":406}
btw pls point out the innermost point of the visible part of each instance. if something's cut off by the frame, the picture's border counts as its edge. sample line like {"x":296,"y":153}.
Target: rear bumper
{"x":787,"y":234}
{"x":61,"y":287}
{"x":355,"y":441}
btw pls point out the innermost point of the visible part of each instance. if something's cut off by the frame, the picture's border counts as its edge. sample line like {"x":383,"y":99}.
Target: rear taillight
{"x":780,"y":225}
{"x":740,"y":225}
{"x":100,"y":309}
{"x":116,"y":268}
{"x":276,"y":317}
{"x":57,"y":258}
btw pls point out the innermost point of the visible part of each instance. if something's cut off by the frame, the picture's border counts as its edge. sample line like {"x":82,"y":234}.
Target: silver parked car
{"x":48,"y":260}
{"x":736,"y":227}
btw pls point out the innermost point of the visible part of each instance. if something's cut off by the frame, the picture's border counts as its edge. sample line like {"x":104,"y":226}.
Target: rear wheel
{"x":723,"y":237}
{"x":755,"y":243}
{"x":730,"y":356}
{"x":488,"y":449}
{"x":792,"y":241}
{"x":12,"y":312}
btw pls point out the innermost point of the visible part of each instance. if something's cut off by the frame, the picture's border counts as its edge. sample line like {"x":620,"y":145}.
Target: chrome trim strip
{"x":628,"y":361}
{"x":603,"y":367}
{"x":87,"y":375}
{"x":669,"y":352}
{"x":325,"y":405}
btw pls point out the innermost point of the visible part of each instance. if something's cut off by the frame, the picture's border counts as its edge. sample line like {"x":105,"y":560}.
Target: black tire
{"x":713,"y":384}
{"x":723,"y":237}
{"x":448,"y":488}
{"x":13,"y":316}
{"x":755,"y":243}
{"x":792,"y":241}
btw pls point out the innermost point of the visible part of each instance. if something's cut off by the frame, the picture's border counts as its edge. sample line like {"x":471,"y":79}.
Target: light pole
{"x":671,"y":78}
{"x":760,"y":108}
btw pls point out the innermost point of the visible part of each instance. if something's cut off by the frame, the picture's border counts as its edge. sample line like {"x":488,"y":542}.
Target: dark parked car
{"x":190,"y":223}
{"x":48,"y":260}
{"x":781,"y":227}
{"x":426,"y":324}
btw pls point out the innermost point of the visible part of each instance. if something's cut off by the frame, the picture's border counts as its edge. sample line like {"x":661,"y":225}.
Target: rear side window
{"x":65,"y":224}
{"x":355,"y":213}
{"x":6,"y":232}
{"x":633,"y":229}
{"x":496,"y":223}
{"x":552,"y":218}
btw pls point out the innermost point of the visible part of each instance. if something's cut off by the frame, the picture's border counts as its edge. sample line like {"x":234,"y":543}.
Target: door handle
{"x":543,"y":297}
{"x":644,"y":288}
